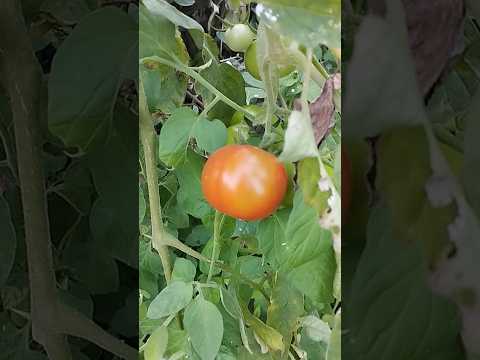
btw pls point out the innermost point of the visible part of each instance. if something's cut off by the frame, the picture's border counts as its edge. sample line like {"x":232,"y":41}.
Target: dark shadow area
{"x":411,"y":232}
{"x":68,"y":179}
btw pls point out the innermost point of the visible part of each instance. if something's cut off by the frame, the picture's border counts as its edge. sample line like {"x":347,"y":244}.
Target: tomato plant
{"x":244,"y":182}
{"x":240,"y":181}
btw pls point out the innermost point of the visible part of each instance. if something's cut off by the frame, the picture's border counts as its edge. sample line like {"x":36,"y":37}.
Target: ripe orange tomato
{"x":346,"y":183}
{"x":244,"y":182}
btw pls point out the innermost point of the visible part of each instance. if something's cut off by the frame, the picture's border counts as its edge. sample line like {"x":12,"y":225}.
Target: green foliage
{"x":238,"y":290}
{"x":421,"y":175}
{"x":87,"y":143}
{"x":81,"y":114}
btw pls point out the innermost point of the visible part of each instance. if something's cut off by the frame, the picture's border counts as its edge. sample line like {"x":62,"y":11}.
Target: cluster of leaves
{"x":409,"y":280}
{"x":89,"y":137}
{"x":267,"y":289}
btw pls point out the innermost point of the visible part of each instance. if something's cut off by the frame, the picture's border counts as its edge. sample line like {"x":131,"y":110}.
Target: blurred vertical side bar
{"x":68,"y":179}
{"x":411,"y":228}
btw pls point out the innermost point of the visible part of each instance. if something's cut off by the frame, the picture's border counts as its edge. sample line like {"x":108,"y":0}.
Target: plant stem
{"x":210,"y":106}
{"x":318,"y":73}
{"x":196,"y":76}
{"x":169,"y":240}
{"x":217,"y":227}
{"x":22,"y":79}
{"x":307,"y":77}
{"x":148,"y":139}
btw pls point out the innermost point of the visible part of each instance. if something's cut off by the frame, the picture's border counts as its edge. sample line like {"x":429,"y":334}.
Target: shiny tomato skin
{"x":244,"y":182}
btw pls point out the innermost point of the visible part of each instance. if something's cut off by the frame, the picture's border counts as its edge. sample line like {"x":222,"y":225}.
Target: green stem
{"x":196,"y":76}
{"x":318,"y":73}
{"x":307,"y":77}
{"x":175,"y":243}
{"x":210,"y":106}
{"x":217,"y":227}
{"x":148,"y":139}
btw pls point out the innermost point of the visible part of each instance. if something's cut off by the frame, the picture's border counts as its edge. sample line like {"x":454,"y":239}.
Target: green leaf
{"x":320,"y":20}
{"x":148,"y":326}
{"x":8,"y":244}
{"x":299,"y":139}
{"x":308,"y":179}
{"x":199,"y":236}
{"x":164,"y":87}
{"x":148,"y":259}
{"x":252,"y":267}
{"x":230,"y":302}
{"x":156,"y":344}
{"x":189,"y":195}
{"x":271,"y":236}
{"x":157,"y":36}
{"x":334,"y":350}
{"x":67,"y":10}
{"x":171,"y":300}
{"x":286,"y":306}
{"x":183,"y":270}
{"x":207,"y":251}
{"x":229,"y":82}
{"x":204,"y":325}
{"x":404,"y":190}
{"x":316,"y":329}
{"x":175,"y":135}
{"x":79,"y":298}
{"x":210,"y":135}
{"x":471,"y":172}
{"x":176,"y":216}
{"x":392,"y":98}
{"x":113,"y":219}
{"x":82,"y":88}
{"x":306,"y":256}
{"x":163,"y":8}
{"x":322,"y":7}
{"x":92,"y":265}
{"x":185,"y":2}
{"x":177,"y":339}
{"x":271,"y":337}
{"x":393,"y":307}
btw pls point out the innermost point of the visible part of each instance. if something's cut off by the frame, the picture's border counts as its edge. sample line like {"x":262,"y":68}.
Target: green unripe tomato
{"x":239,"y":37}
{"x":252,"y":65}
